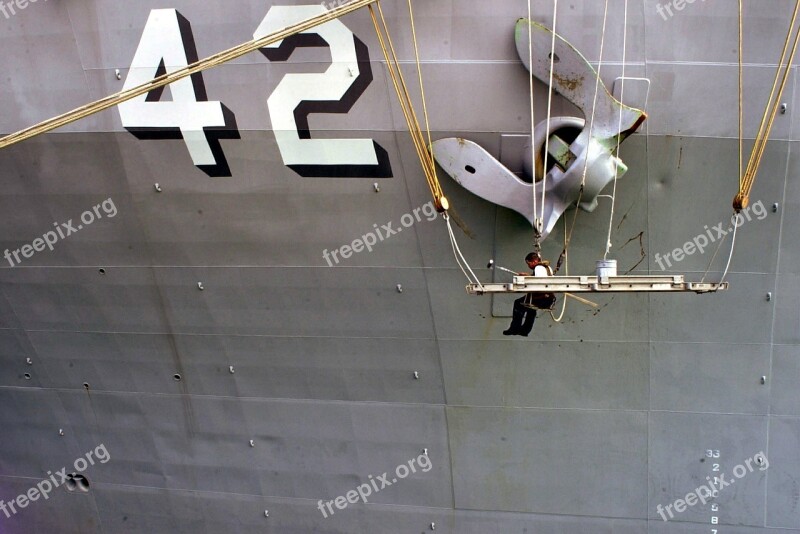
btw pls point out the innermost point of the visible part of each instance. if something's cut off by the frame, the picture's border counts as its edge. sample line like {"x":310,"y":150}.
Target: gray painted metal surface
{"x":586,"y":427}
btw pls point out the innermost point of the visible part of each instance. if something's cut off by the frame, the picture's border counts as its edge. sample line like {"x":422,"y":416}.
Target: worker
{"x":525,"y":307}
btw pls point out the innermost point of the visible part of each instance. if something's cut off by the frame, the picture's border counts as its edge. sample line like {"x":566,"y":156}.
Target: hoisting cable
{"x":733,"y":245}
{"x":741,"y":92}
{"x":741,"y":138}
{"x":568,"y":240}
{"x":539,"y":221}
{"x":747,"y":181}
{"x":423,"y":151}
{"x":421,"y":85}
{"x":166,"y":79}
{"x":619,"y":137}
{"x":566,"y":267}
{"x":462,"y":262}
{"x":741,"y":134}
{"x":533,"y":125}
{"x":741,"y":129}
{"x":563,"y":258}
{"x":406,"y":105}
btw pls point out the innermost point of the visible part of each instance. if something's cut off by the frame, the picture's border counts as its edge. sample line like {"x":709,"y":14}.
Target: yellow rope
{"x":396,"y":81}
{"x":194,"y":68}
{"x":407,"y":107}
{"x":747,"y":181}
{"x":741,"y":93}
{"x":419,"y":75}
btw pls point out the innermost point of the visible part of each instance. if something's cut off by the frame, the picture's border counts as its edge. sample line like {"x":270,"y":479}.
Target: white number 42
{"x":167,"y":45}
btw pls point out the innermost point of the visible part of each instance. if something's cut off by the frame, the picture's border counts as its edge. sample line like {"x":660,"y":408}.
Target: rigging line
{"x":395,"y":82}
{"x":777,"y":73}
{"x":168,"y":78}
{"x":741,"y":93}
{"x":405,"y":98}
{"x":455,"y":254}
{"x":402,"y":93}
{"x":733,"y":246}
{"x":533,"y":122}
{"x":424,"y":154}
{"x":566,"y":271}
{"x":549,"y":110}
{"x":403,"y":85}
{"x":591,"y":123}
{"x":421,"y":86}
{"x":774,"y":111}
{"x":406,"y":106}
{"x":619,"y":137}
{"x":762,"y":147}
{"x":741,"y":138}
{"x":460,"y":256}
{"x":708,"y":267}
{"x":767,"y":121}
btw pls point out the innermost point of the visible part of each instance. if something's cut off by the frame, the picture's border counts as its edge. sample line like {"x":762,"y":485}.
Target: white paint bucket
{"x":606,"y":268}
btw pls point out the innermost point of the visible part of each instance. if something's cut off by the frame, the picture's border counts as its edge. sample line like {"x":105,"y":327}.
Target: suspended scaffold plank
{"x":595,"y":284}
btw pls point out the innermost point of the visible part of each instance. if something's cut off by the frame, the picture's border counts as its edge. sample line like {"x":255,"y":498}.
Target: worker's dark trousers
{"x":523,"y":317}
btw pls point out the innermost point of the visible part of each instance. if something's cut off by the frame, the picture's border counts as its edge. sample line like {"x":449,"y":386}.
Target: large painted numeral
{"x":167,"y":45}
{"x":334,"y":91}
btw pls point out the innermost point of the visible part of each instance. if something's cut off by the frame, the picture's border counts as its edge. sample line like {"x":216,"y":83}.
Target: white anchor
{"x":574,"y":78}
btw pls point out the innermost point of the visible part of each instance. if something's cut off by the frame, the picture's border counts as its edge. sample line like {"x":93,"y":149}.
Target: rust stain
{"x":569,"y":83}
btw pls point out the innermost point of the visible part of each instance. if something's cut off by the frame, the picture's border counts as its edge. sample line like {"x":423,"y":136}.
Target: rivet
{"x":775,"y":207}
{"x":200,"y":286}
{"x":231,"y":369}
{"x":759,"y":460}
{"x":266,"y":513}
{"x":416,"y":375}
{"x":425,"y":452}
{"x":28,"y":361}
{"x":784,"y":107}
{"x":433,"y":526}
{"x":252,"y":443}
{"x":377,"y":187}
{"x":763,"y":380}
{"x":60,"y":431}
{"x":27,"y":376}
{"x":399,"y":288}
{"x":118,"y":74}
{"x":769,"y":296}
{"x":158,"y":188}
